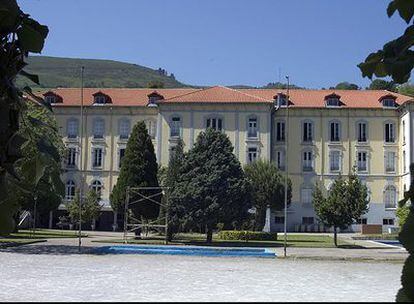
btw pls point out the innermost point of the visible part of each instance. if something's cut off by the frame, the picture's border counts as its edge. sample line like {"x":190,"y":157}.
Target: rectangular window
{"x":362,"y":161}
{"x":362,"y":132}
{"x":72,"y":128}
{"x":404,"y":163}
{"x":99,"y":129}
{"x":388,"y":221}
{"x":389,"y":161}
{"x":279,"y":219}
{"x":361,"y":221}
{"x":280,"y":160}
{"x":280,"y":131}
{"x":121,"y":156}
{"x":71,"y":157}
{"x":307,"y":132}
{"x":307,"y":220}
{"x":124,"y":127}
{"x":175,"y":127}
{"x":389,"y":133}
{"x":307,"y":161}
{"x":252,"y":128}
{"x":335,"y":160}
{"x":403,"y":131}
{"x":215,"y":123}
{"x":97,"y":157}
{"x":335,"y":131}
{"x":152,"y":130}
{"x":306,"y":194}
{"x":252,"y":155}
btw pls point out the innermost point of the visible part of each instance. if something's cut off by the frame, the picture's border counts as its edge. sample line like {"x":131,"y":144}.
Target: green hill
{"x":65,"y":72}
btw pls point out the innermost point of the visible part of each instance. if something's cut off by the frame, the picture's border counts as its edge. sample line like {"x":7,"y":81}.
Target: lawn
{"x":309,"y":241}
{"x":26,"y":236}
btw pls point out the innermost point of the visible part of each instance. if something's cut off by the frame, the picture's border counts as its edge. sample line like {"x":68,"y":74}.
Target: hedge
{"x":247,"y":235}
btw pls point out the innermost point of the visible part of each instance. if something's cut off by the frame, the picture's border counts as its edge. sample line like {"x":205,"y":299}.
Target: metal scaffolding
{"x":145,"y":224}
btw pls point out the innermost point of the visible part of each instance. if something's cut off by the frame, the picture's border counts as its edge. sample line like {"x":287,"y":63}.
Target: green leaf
{"x":34,"y":170}
{"x":47,"y":148}
{"x":32,"y":36}
{"x":391,"y":9}
{"x":32,"y":77}
{"x":36,"y":98}
{"x":405,"y":8}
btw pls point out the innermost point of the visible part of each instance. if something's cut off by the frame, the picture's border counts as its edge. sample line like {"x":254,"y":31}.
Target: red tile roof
{"x":219,"y":94}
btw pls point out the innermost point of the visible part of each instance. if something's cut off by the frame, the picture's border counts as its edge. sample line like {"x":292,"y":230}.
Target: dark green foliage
{"x":380,"y":84}
{"x":247,"y":235}
{"x":211,"y":188}
{"x":139,"y":169}
{"x":346,"y":86}
{"x":64,"y":72}
{"x":346,"y":202}
{"x":406,"y":293}
{"x":268,"y":189}
{"x":19,"y":35}
{"x":396,"y":59}
{"x":49,"y":189}
{"x":175,"y":209}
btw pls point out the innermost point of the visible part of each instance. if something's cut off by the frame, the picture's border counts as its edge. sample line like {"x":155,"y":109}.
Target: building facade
{"x":321,"y":133}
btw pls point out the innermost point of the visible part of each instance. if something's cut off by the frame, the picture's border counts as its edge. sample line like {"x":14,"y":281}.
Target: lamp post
{"x":81,"y":164}
{"x":286,"y":166}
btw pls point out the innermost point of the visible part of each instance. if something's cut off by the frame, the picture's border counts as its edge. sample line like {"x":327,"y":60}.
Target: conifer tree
{"x":211,"y":187}
{"x":139,"y":169}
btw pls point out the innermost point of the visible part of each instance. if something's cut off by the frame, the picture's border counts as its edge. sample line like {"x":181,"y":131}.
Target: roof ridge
{"x":235,"y":90}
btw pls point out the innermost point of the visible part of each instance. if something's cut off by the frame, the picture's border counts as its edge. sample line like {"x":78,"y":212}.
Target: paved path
{"x":372,"y":252}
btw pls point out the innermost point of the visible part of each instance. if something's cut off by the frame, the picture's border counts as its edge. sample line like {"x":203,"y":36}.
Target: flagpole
{"x":81,"y":164}
{"x":286,"y":166}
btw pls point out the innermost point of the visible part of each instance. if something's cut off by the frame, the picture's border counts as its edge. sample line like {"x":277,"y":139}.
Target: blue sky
{"x":223,"y":42}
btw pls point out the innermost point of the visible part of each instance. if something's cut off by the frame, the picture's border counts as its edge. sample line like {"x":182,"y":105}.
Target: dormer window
{"x":101,"y":98}
{"x":153,"y":98}
{"x":388,"y":101}
{"x":332,"y":100}
{"x":51,"y":97}
{"x":281,"y":99}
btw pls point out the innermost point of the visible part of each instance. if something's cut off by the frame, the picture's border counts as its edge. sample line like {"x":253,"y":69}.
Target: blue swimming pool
{"x":187,"y":250}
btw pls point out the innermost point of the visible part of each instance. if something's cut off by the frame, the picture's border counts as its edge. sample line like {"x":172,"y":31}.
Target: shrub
{"x":247,"y":235}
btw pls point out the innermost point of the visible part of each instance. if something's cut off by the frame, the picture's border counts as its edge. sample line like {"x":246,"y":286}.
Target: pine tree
{"x":139,"y":169}
{"x":268,"y":189}
{"x":211,"y":187}
{"x":175,"y":208}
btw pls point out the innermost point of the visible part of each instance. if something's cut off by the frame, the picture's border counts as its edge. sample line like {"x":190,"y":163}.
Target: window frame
{"x":331,"y":154}
{"x":70,"y":183}
{"x":94,"y":157}
{"x":68,"y":127}
{"x":174,"y":124}
{"x":283,"y":131}
{"x":96,"y":121}
{"x":394,"y":132}
{"x":312,"y":131}
{"x":310,"y":168}
{"x":358,"y":124}
{"x":124,"y":123}
{"x":386,"y":196}
{"x":366,"y":161}
{"x":250,"y":159}
{"x":339,"y":131}
{"x":219,"y":120}
{"x":256,"y":128}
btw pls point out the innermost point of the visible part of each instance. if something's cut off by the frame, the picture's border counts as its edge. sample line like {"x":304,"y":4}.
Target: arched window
{"x":152,"y":128}
{"x":98,"y":128}
{"x":72,"y":128}
{"x":97,"y":187}
{"x":70,"y":190}
{"x":390,"y":197}
{"x":124,"y":128}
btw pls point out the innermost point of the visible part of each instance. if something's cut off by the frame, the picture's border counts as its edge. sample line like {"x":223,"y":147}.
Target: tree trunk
{"x":209,"y":235}
{"x":335,"y":237}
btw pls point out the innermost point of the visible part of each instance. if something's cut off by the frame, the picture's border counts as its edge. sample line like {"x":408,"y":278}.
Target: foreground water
{"x":45,"y":277}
